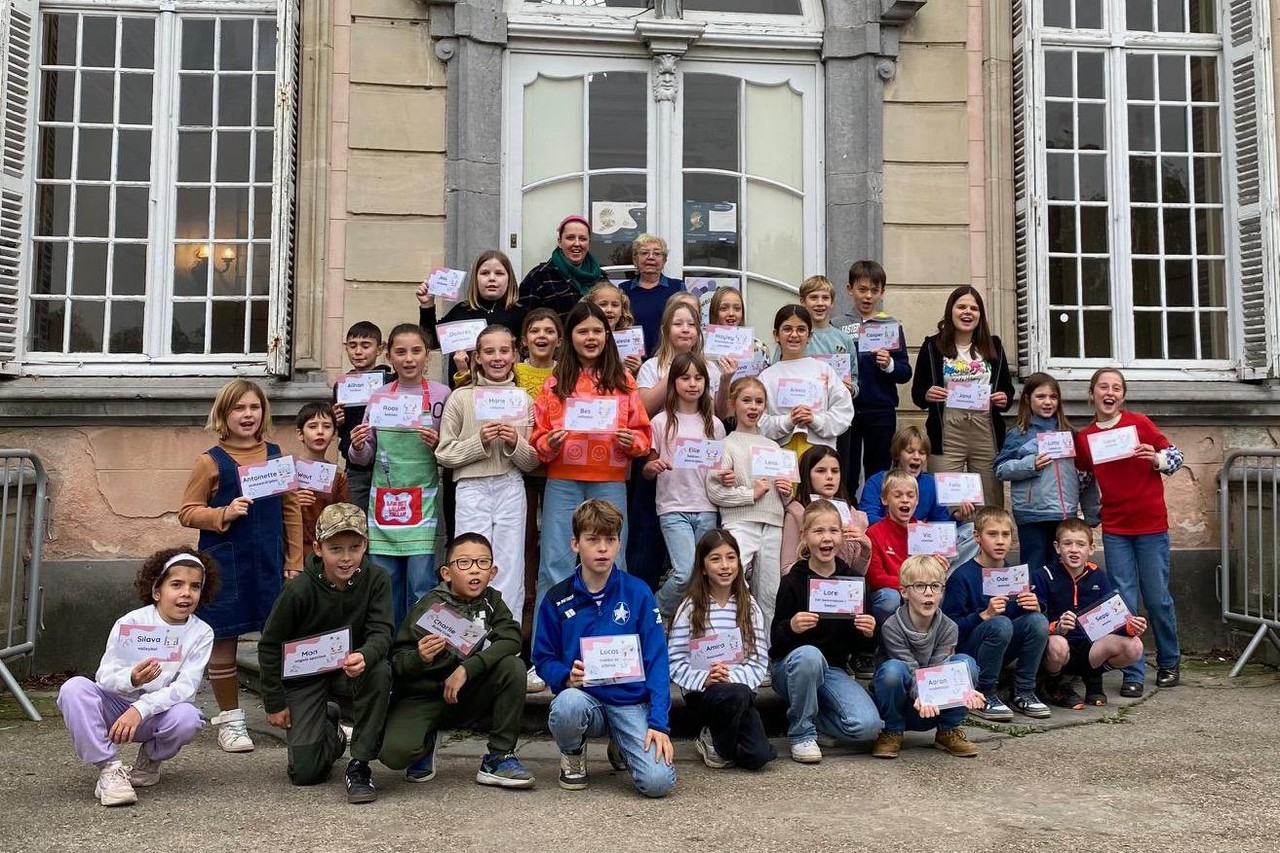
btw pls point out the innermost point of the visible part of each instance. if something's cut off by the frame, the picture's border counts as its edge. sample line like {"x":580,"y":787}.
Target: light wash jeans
{"x":821,"y":697}
{"x":577,"y":715}
{"x":681,"y":531}
{"x":559,"y":501}
{"x":1139,"y":566}
{"x":411,"y":578}
{"x":894,"y":690}
{"x":1001,"y":640}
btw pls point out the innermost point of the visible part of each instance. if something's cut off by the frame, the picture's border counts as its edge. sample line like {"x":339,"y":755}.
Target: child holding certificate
{"x":918,"y":635}
{"x":342,"y":603}
{"x":363,"y":344}
{"x":726,"y":309}
{"x":316,"y":431}
{"x":484,"y":438}
{"x":808,"y":402}
{"x":685,"y":513}
{"x":717,"y":650}
{"x":1066,"y":587}
{"x":150,"y":671}
{"x":751,"y":505}
{"x":589,"y":424}
{"x":681,"y":331}
{"x":820,"y":479}
{"x":962,"y":379}
{"x":599,"y":646}
{"x":256,"y":542}
{"x":617,"y":310}
{"x":406,"y":481}
{"x":456,"y":660}
{"x":1135,"y":521}
{"x":809,"y":652}
{"x":998,"y":630}
{"x":1038,"y":460}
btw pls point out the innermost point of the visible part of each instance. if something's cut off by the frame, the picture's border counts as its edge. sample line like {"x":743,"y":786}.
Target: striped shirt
{"x":750,"y":672}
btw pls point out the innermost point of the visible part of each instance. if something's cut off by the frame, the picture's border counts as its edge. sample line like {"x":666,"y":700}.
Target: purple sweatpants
{"x":89,"y":712}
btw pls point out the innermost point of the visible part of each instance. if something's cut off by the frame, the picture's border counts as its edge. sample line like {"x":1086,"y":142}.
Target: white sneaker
{"x":806,"y":752}
{"x":113,"y":788}
{"x":145,"y":772}
{"x":532,"y":683}
{"x":707,"y":749}
{"x":767,"y":681}
{"x":233,"y":734}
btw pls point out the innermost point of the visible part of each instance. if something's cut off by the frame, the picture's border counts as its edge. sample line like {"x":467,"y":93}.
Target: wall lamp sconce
{"x":225,"y":260}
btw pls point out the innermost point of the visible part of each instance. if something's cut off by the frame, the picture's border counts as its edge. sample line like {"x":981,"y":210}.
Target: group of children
{"x":744,"y":551}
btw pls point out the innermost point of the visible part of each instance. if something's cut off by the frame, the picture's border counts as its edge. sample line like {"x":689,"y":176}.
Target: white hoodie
{"x":178,"y":680}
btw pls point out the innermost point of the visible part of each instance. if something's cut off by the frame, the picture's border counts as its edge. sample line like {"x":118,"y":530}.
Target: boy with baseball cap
{"x":339,"y":590}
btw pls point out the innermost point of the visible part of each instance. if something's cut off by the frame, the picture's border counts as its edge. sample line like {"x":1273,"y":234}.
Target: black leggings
{"x":737,"y":731}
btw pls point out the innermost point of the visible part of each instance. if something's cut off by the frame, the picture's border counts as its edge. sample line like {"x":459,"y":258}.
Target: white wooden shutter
{"x":1025,"y":206}
{"x":283,"y":229}
{"x":1251,"y":127}
{"x":17,"y":88}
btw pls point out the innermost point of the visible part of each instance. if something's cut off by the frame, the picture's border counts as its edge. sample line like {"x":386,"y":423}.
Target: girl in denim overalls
{"x":257,"y":543}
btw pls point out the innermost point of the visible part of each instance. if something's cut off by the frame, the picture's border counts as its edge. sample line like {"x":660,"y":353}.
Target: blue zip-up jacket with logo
{"x":1050,"y":494}
{"x":1058,"y":592}
{"x":963,"y":599}
{"x":568,"y":614}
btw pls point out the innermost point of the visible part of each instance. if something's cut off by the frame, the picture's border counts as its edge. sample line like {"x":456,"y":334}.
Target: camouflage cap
{"x":341,"y":518}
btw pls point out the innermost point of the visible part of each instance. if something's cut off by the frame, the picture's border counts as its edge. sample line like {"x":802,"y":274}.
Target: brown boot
{"x":954,"y":742}
{"x":888,"y":745}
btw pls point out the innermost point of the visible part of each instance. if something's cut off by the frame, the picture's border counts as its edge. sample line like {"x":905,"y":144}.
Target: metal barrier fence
{"x":1249,"y":511}
{"x":23,"y":493}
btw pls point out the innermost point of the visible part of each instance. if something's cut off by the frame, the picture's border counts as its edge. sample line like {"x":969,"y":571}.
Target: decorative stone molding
{"x":666,"y":85}
{"x":664,"y":35}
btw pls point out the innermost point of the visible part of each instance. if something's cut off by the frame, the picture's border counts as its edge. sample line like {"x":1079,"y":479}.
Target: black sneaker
{"x":1168,"y":677}
{"x":617,"y":760}
{"x":1131,"y":689}
{"x":864,"y":667}
{"x":360,"y":782}
{"x":573,"y":770}
{"x":424,"y":769}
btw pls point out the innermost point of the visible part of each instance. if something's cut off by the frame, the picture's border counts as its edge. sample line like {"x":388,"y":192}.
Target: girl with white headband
{"x":153,"y":664}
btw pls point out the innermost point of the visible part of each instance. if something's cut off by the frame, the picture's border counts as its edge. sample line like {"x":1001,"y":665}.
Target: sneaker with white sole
{"x":503,"y":771}
{"x":707,"y":749}
{"x":113,"y":787}
{"x":994,"y":711}
{"x":233,"y":734}
{"x":1029,"y":704}
{"x":806,"y":752}
{"x":533,"y":683}
{"x":573,"y":771}
{"x":145,"y":771}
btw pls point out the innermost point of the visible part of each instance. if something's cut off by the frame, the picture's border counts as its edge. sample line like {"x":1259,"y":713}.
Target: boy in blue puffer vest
{"x":598,"y":601}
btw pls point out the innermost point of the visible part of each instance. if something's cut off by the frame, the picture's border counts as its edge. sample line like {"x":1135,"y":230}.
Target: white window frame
{"x":275,"y":361}
{"x":1115,"y":42}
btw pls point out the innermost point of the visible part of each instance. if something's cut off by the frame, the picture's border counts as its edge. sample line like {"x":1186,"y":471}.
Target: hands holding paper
{"x":430,"y":645}
{"x":656,"y":466}
{"x":1042,"y":461}
{"x":430,"y":436}
{"x":865,"y":624}
{"x":144,"y":672}
{"x":1066,"y":622}
{"x":805,"y":620}
{"x":555,"y":438}
{"x":360,"y":436}
{"x":125,"y":726}
{"x":999,"y":399}
{"x":1137,"y":626}
{"x":238,"y":508}
{"x":499,"y":431}
{"x":936,"y":394}
{"x":1149,"y":453}
{"x":975,"y":702}
{"x":883,"y":359}
{"x":783,"y":485}
{"x":624,"y":438}
{"x":1028,"y":601}
{"x":577,"y":674}
{"x":802,"y":416}
{"x":995,"y":607}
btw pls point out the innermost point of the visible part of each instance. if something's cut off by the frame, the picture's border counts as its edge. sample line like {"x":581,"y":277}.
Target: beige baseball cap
{"x":341,"y":518}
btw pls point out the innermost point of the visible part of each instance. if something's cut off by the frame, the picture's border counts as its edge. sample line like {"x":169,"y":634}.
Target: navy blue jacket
{"x":963,"y":599}
{"x":878,"y":389}
{"x":568,"y":614}
{"x":647,"y":307}
{"x":1058,"y":592}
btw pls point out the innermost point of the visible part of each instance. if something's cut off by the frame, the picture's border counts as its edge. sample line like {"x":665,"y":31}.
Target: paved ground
{"x":1193,"y":768}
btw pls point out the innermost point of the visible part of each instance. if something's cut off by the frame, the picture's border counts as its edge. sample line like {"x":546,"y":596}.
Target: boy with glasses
{"x":476,"y":673}
{"x":919,"y":634}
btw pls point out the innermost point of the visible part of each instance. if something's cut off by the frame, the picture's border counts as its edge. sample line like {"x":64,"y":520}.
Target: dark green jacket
{"x":415,"y":678}
{"x":310,"y":605}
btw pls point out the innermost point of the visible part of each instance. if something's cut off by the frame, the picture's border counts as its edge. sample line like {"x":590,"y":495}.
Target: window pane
{"x":97,"y":96}
{"x":1169,"y":16}
{"x":137,"y":43}
{"x":1060,"y":176}
{"x":133,"y":155}
{"x":188,"y":328}
{"x":231,"y":218}
{"x":711,"y":122}
{"x":197,"y":44}
{"x":703,"y":246}
{"x":619,"y":199}
{"x":191,"y":269}
{"x":236,"y":51}
{"x":1062,"y":228}
{"x":1092,"y":75}
{"x":1142,"y":81}
{"x":196,"y":101}
{"x":192,"y":212}
{"x":1139,"y":15}
{"x":95,"y":154}
{"x":228,"y":327}
{"x":59,"y":95}
{"x":90,"y":269}
{"x":235,"y":101}
{"x":1097,"y":334}
{"x":98,"y":45}
{"x":1062,"y":281}
{"x":60,"y":34}
{"x":135,"y":98}
{"x":50,"y":268}
{"x":87,"y":319}
{"x":129,"y":269}
{"x":233,"y":156}
{"x":1213,"y":335}
{"x":773,"y":128}
{"x":1089,"y":14}
{"x":1146,"y":283}
{"x":93,"y":210}
{"x":1148,"y":335}
{"x":47,"y":325}
{"x":1057,"y":13}
{"x":1059,"y":130}
{"x":1064,"y":334}
{"x":618,"y":119}
{"x":126,"y":327}
{"x":1182,"y":334}
{"x":761,"y":7}
{"x":194,"y":151}
{"x":55,"y":152}
{"x":131,"y":212}
{"x":229,"y":271}
{"x":1096,"y":281}
{"x":53,"y":211}
{"x":1093,"y":230}
{"x":1093,"y":177}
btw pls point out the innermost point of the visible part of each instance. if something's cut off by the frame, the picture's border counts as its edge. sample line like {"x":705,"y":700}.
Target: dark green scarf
{"x":584,"y":276}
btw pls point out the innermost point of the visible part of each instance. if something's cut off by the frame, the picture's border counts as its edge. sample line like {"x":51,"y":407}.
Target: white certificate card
{"x":629,"y":341}
{"x":458,"y":631}
{"x":611,"y":660}
{"x":774,"y":462}
{"x":1005,"y":580}
{"x":459,"y":335}
{"x":591,"y":414}
{"x":838,"y":597}
{"x":162,"y":642}
{"x":316,"y":476}
{"x":1113,"y":444}
{"x":396,"y":411}
{"x":445,"y":283}
{"x":355,"y":389}
{"x":972,"y":396}
{"x":1106,"y":618}
{"x":937,"y":538}
{"x":321,"y":653}
{"x":264,"y":479}
{"x":794,"y":392}
{"x":1056,"y":445}
{"x":722,"y":646}
{"x":956,"y":489}
{"x":502,"y":404}
{"x":733,"y":341}
{"x":697,"y":453}
{"x":945,"y":686}
{"x":878,"y":336}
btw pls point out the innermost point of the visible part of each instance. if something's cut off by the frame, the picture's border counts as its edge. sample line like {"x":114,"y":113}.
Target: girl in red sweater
{"x":1123,"y":456}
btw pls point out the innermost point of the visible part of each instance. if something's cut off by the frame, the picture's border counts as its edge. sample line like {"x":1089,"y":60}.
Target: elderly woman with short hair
{"x":650,"y":289}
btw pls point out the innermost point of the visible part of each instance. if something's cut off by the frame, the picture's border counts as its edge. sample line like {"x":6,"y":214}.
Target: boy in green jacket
{"x":339,"y":590}
{"x":455,"y":660}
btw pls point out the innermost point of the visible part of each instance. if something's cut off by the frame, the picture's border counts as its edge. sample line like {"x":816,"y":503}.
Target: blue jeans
{"x":559,"y":501}
{"x":894,"y":690}
{"x":411,"y":578}
{"x":821,"y":697}
{"x":1139,"y":565}
{"x":681,"y":531}
{"x":577,"y":715}
{"x":1000,"y":641}
{"x":884,"y":603}
{"x":1035,"y":543}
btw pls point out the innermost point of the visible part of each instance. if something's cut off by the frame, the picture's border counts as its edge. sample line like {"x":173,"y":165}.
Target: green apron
{"x":402,"y":501}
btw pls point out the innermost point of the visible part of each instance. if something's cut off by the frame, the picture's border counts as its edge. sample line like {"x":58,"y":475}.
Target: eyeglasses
{"x":465,"y":563}
{"x":925,"y":587}
{"x":651,"y":253}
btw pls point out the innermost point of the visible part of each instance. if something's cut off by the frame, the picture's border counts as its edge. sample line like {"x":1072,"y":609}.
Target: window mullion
{"x":1121,"y":249}
{"x":159,"y":311}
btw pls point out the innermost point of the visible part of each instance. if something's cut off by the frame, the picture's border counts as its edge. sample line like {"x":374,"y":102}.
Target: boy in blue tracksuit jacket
{"x":1066,"y":587}
{"x":600,"y":601}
